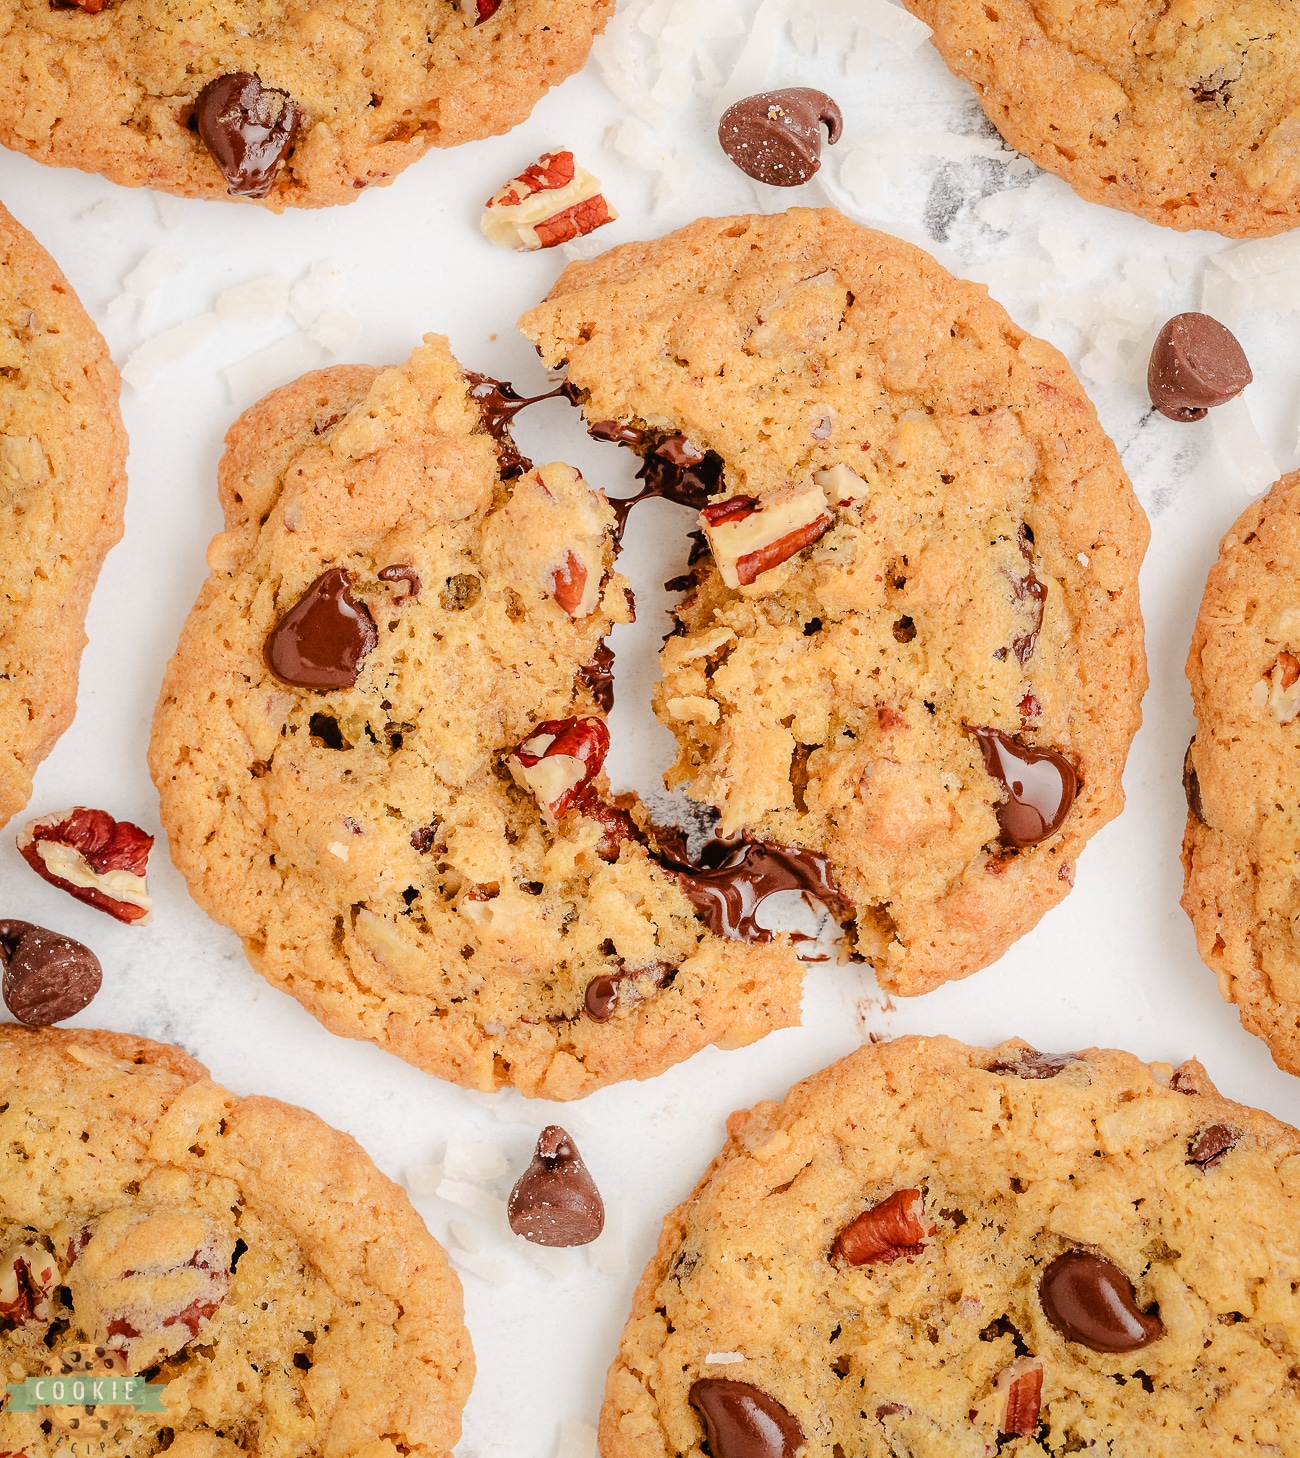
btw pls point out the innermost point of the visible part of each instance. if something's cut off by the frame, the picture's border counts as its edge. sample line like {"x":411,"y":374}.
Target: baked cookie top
{"x":1186,"y":113}
{"x":364,"y":88}
{"x":62,"y":494}
{"x":420,"y":847}
{"x":937,"y":692}
{"x":236,"y":1250}
{"x":1241,"y":772}
{"x":929,"y":1248}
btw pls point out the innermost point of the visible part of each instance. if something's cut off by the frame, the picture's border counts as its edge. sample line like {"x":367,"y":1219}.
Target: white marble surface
{"x":1116,"y":964}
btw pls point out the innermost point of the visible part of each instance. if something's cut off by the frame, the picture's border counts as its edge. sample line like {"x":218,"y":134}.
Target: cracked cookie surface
{"x":950,"y":1331}
{"x":956,"y":577}
{"x":1239,"y":848}
{"x":62,"y":494}
{"x":415,"y":853}
{"x":1186,"y":113}
{"x":237,"y":1251}
{"x":375,"y":85}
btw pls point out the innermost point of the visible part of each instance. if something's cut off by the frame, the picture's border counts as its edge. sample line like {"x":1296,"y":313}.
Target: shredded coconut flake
{"x":336,"y":330}
{"x":488,"y":1208}
{"x":155,"y":356}
{"x":423,"y":1179}
{"x":633,"y":141}
{"x":315,"y":291}
{"x":171,"y":210}
{"x":486,"y":1268}
{"x":286,"y":359}
{"x":558,"y":1261}
{"x":465,"y":1236}
{"x":1235,"y":431}
{"x":474,"y":1161}
{"x":723,"y":1359}
{"x":260,"y":298}
{"x":577,"y":1440}
{"x":608,"y":1252}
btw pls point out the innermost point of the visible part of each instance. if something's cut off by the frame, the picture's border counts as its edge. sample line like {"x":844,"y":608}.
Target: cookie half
{"x":915,"y":647}
{"x":930,"y":1248}
{"x":1241,"y":777}
{"x":237,"y":1253}
{"x":1186,"y":115}
{"x":63,"y":485}
{"x":293,"y":107}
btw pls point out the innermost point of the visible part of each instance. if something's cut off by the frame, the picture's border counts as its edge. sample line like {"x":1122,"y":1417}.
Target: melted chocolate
{"x":1040,"y":786}
{"x":1089,"y":1300}
{"x":400,"y":572}
{"x":597,"y":675}
{"x":601,"y":996}
{"x":1192,"y":787}
{"x":742,"y":1421}
{"x":322,"y":640}
{"x":672,"y":468}
{"x":1028,"y":588}
{"x":1030,"y":1063}
{"x":248,"y":128}
{"x":498,"y":403}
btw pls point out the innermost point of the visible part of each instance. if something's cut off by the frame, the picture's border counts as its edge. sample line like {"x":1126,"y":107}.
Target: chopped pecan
{"x":889,"y":1231}
{"x":748,"y":536}
{"x":29,"y":1278}
{"x":1013,"y":1405}
{"x":558,"y":761}
{"x":93,"y":857}
{"x":477,"y":11}
{"x":550,"y":202}
{"x":569,"y":584}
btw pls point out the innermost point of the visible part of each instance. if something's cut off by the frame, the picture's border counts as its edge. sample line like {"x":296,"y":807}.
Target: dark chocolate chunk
{"x":597,"y":675}
{"x":1040,"y":786}
{"x":742,"y":1421}
{"x":321,"y":641}
{"x":601,"y":996}
{"x":401,"y":572}
{"x":249,"y":129}
{"x":776,"y":136}
{"x":1210,"y":1145}
{"x":1089,"y":1300}
{"x":1196,"y":363}
{"x":555,"y":1201}
{"x":1030,"y":1063}
{"x":1028,"y":589}
{"x":672,"y":467}
{"x":1192,"y":786}
{"x":498,"y":403}
{"x":47,"y":977}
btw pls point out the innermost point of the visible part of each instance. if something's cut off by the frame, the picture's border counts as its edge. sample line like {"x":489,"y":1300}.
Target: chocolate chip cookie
{"x":911,"y":643}
{"x":1186,"y":114}
{"x":297,"y":107}
{"x":249,"y":1262}
{"x":379,"y":752}
{"x":929,"y":1248}
{"x":1240,"y":774}
{"x":63,"y":479}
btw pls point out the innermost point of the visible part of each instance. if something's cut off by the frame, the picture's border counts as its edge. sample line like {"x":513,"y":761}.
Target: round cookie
{"x":922,"y":592}
{"x":63,"y":485}
{"x":396,"y":652}
{"x":1186,"y":114}
{"x":934,"y":1249}
{"x":1240,"y":885}
{"x":237,"y":1252}
{"x":347,"y":94}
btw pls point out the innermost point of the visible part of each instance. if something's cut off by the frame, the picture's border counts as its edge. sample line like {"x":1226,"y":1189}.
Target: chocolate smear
{"x":401,"y":572}
{"x":47,"y":977}
{"x":248,"y":128}
{"x":1192,"y":786}
{"x":1040,"y":785}
{"x":1195,"y":364}
{"x":776,"y":136}
{"x":498,"y":403}
{"x":742,"y":1421}
{"x":1210,"y":1145}
{"x":1089,"y":1300}
{"x":555,"y":1201}
{"x":321,"y":641}
{"x":601,"y":996}
{"x":1028,"y":589}
{"x":673,"y":467}
{"x":597,"y":675}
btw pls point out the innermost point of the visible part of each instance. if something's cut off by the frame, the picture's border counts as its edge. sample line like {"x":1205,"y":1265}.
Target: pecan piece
{"x":1013,"y":1405}
{"x":569,"y":584}
{"x":1279,"y":688}
{"x":29,"y":1278}
{"x":558,"y":762}
{"x":889,"y":1231}
{"x":93,"y":857}
{"x":748,"y":536}
{"x":549,"y":202}
{"x":477,"y":11}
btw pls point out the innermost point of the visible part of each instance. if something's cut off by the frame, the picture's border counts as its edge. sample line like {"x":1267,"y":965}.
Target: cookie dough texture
{"x":341,"y":1330}
{"x":1185,"y":113}
{"x":825,"y":706}
{"x":378,"y":83}
{"x":891,"y":1359}
{"x":369,"y":844}
{"x":62,"y":494}
{"x":1241,"y":889}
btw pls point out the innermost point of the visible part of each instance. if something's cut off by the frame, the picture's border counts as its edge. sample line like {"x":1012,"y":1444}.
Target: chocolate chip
{"x":775,"y":137}
{"x":1089,"y":1300}
{"x":498,"y":403}
{"x":1196,"y":363}
{"x":601,"y":996}
{"x":1192,"y":787}
{"x":1030,"y":1063}
{"x":597,"y":675}
{"x":402,"y":572}
{"x":1210,"y":1145}
{"x":321,"y":641}
{"x":555,"y":1201}
{"x":1040,"y":786}
{"x":47,"y":977}
{"x":248,"y":128}
{"x":742,"y":1421}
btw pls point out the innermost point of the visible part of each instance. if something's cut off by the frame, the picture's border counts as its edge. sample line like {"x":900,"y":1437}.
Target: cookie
{"x":1240,"y":886}
{"x":934,"y":1249}
{"x":63,"y":476}
{"x":295,"y":108}
{"x":914,"y":649}
{"x":1183,"y":114}
{"x":237,"y":1253}
{"x":378,"y":749}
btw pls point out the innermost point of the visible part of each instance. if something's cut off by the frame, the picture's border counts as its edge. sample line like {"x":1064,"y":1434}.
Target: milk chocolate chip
{"x":248,"y":128}
{"x":555,"y":1201}
{"x":47,"y":977}
{"x":1040,"y":786}
{"x":1089,"y":1300}
{"x":1192,"y":787}
{"x":776,"y":136}
{"x":1196,"y":363}
{"x":741,"y":1421}
{"x":321,"y":641}
{"x":1210,"y":1145}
